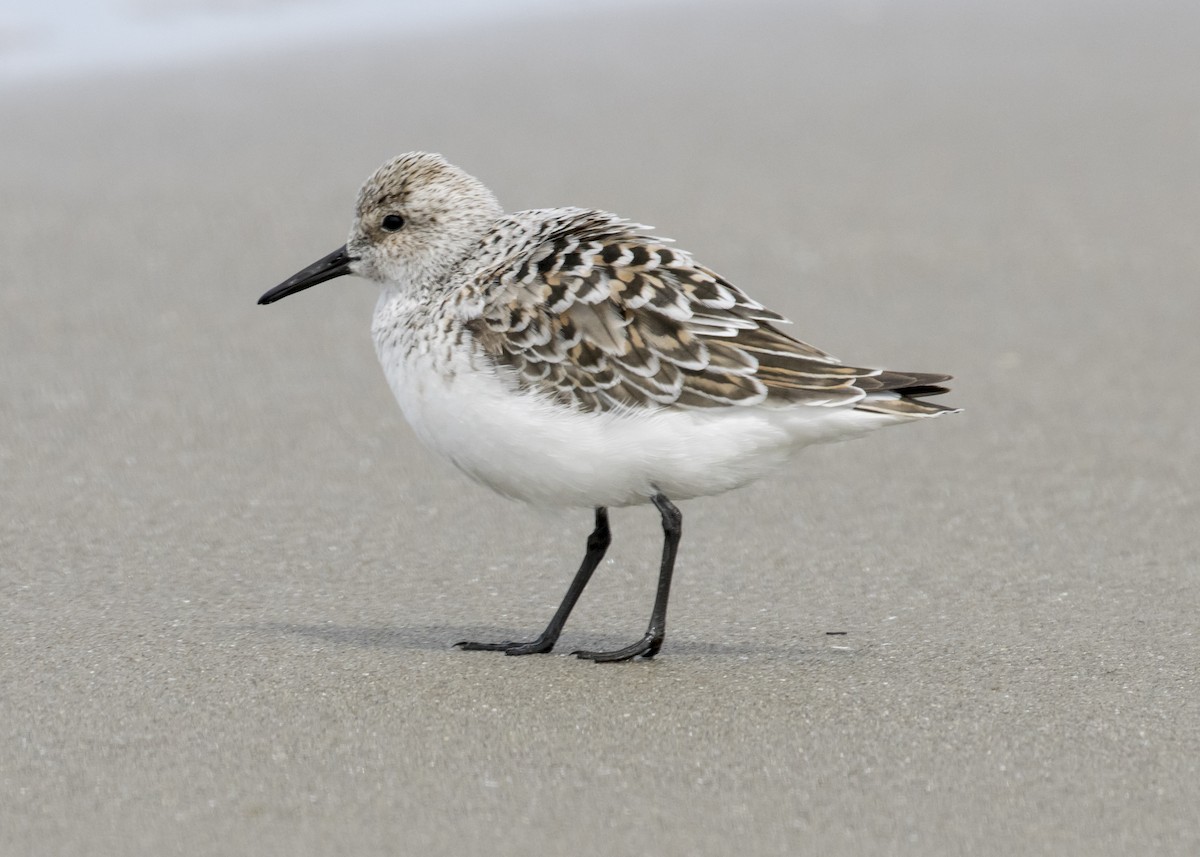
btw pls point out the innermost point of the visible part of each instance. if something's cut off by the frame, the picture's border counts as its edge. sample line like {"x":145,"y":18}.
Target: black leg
{"x":597,"y":544}
{"x":648,"y":646}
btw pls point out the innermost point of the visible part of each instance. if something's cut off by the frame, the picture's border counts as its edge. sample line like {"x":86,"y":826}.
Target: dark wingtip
{"x":923,"y":391}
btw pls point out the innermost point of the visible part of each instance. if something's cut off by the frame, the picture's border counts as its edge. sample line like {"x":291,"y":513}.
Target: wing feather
{"x":588,"y":310}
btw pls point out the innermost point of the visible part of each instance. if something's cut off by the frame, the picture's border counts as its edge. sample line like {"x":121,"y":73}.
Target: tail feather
{"x":898,"y":394}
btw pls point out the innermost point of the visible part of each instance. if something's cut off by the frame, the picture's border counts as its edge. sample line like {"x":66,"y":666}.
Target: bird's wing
{"x":594,"y":313}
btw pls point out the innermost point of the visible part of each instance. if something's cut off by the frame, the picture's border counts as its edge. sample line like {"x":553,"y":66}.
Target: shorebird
{"x":565,"y":357}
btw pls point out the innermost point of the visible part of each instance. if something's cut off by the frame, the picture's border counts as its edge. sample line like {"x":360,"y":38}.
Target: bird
{"x":566,"y":357}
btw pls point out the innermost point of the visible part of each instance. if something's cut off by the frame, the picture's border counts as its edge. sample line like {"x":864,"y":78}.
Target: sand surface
{"x":231,"y":576}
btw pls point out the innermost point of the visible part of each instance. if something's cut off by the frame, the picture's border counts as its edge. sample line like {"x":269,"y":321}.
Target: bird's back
{"x":584,"y":308}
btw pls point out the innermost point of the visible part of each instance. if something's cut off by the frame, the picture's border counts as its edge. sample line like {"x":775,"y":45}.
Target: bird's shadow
{"x":441,"y":638}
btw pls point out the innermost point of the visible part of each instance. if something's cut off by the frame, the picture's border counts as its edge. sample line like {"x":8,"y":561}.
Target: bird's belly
{"x":530,"y":448}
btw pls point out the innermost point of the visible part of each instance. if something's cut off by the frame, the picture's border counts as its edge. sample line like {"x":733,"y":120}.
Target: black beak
{"x":336,"y":264}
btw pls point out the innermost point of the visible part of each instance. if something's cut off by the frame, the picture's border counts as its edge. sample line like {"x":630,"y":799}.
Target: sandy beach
{"x":231,"y":577}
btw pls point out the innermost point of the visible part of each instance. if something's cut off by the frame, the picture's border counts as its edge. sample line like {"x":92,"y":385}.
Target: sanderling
{"x":564,"y":357}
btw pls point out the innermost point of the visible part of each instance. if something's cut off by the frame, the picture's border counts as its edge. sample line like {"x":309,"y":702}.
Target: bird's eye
{"x":392,"y":223}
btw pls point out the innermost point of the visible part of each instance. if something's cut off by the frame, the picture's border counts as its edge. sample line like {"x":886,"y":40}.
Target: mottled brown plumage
{"x":590,"y":311}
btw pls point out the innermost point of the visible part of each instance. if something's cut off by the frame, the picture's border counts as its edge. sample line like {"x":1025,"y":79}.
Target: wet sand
{"x":231,"y":577}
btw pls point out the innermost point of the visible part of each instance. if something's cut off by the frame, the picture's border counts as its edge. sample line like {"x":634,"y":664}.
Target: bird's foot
{"x":534,"y":647}
{"x":647,"y":647}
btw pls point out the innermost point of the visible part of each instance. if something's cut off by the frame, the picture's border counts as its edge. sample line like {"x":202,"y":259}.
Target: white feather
{"x":533,"y":449}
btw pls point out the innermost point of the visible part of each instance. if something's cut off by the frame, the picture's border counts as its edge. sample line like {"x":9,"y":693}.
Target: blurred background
{"x":230,"y":576}
{"x":72,"y":37}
